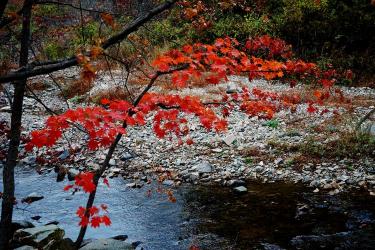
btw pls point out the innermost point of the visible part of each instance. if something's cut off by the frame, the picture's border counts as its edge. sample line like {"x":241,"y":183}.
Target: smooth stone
{"x":134,"y":185}
{"x":258,"y":169}
{"x":21,"y":224}
{"x":6,"y":109}
{"x":236,"y":183}
{"x":232,"y":88}
{"x":194,"y":176}
{"x":64,"y":155}
{"x":108,"y":244}
{"x":168,"y":182}
{"x":115,"y":170}
{"x":240,"y":189}
{"x":204,"y":167}
{"x":26,"y":248}
{"x":126,"y":156}
{"x":42,"y":237}
{"x":122,"y":237}
{"x":32,"y":198}
{"x":278,"y":161}
{"x":229,"y":139}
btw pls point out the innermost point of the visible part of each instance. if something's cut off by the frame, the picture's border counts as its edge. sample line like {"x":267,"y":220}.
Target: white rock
{"x":240,"y":189}
{"x":229,"y":139}
{"x":204,"y":167}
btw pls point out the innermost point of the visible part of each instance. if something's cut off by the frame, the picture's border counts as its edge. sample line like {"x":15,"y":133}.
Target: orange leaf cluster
{"x":108,"y":19}
{"x":228,"y":57}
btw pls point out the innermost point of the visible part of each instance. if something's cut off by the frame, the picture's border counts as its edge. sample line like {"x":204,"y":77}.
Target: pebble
{"x":204,"y":167}
{"x":168,"y":182}
{"x":229,"y":139}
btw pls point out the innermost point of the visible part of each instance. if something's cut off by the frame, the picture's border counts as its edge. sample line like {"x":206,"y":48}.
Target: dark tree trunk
{"x":3,"y":5}
{"x":15,"y":133}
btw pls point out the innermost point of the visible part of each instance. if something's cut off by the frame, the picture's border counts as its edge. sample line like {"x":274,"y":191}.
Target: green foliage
{"x":342,"y":32}
{"x":350,"y":167}
{"x":53,"y":51}
{"x":84,"y":35}
{"x":89,"y":31}
{"x":248,"y":161}
{"x":166,"y":31}
{"x":241,"y":27}
{"x":290,"y":162}
{"x":272,"y":123}
{"x":77,"y":99}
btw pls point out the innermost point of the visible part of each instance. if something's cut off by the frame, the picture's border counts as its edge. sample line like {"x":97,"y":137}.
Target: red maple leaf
{"x":106,"y":220}
{"x":95,"y":221}
{"x":81,"y":212}
{"x":93,"y":210}
{"x":84,"y":221}
{"x":105,"y":181}
{"x":68,"y":187}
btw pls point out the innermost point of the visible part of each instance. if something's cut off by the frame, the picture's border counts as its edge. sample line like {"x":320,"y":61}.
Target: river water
{"x":281,"y":215}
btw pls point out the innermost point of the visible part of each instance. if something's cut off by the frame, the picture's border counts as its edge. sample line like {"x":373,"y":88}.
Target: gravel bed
{"x":245,"y":152}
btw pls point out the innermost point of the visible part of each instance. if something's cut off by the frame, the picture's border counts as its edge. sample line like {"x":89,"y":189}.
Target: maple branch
{"x":111,"y":150}
{"x":154,"y":78}
{"x":37,"y":99}
{"x":138,"y":22}
{"x":29,"y":70}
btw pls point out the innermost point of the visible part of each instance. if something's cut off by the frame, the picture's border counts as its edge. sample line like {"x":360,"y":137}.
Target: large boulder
{"x":21,"y":224}
{"x":108,"y":244}
{"x":44,"y":237}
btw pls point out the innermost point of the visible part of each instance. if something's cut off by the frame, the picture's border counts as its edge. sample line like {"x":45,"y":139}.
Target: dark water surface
{"x":286,"y":215}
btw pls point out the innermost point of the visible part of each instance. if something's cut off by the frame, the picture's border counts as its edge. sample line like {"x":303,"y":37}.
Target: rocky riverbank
{"x":251,"y":150}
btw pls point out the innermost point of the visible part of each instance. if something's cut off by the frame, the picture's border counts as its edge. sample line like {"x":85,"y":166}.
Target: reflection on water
{"x":211,"y":217}
{"x":286,"y":215}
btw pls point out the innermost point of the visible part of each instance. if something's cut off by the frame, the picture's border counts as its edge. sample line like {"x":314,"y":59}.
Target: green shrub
{"x":54,"y":51}
{"x":242,"y":27}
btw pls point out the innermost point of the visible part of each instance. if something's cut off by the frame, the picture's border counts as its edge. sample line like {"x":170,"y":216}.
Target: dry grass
{"x":76,"y":88}
{"x":111,"y":94}
{"x":348,"y":145}
{"x":37,"y":85}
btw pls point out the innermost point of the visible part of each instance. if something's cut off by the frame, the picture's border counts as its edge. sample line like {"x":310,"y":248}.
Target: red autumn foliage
{"x":84,"y":181}
{"x":94,"y":217}
{"x":226,"y":57}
